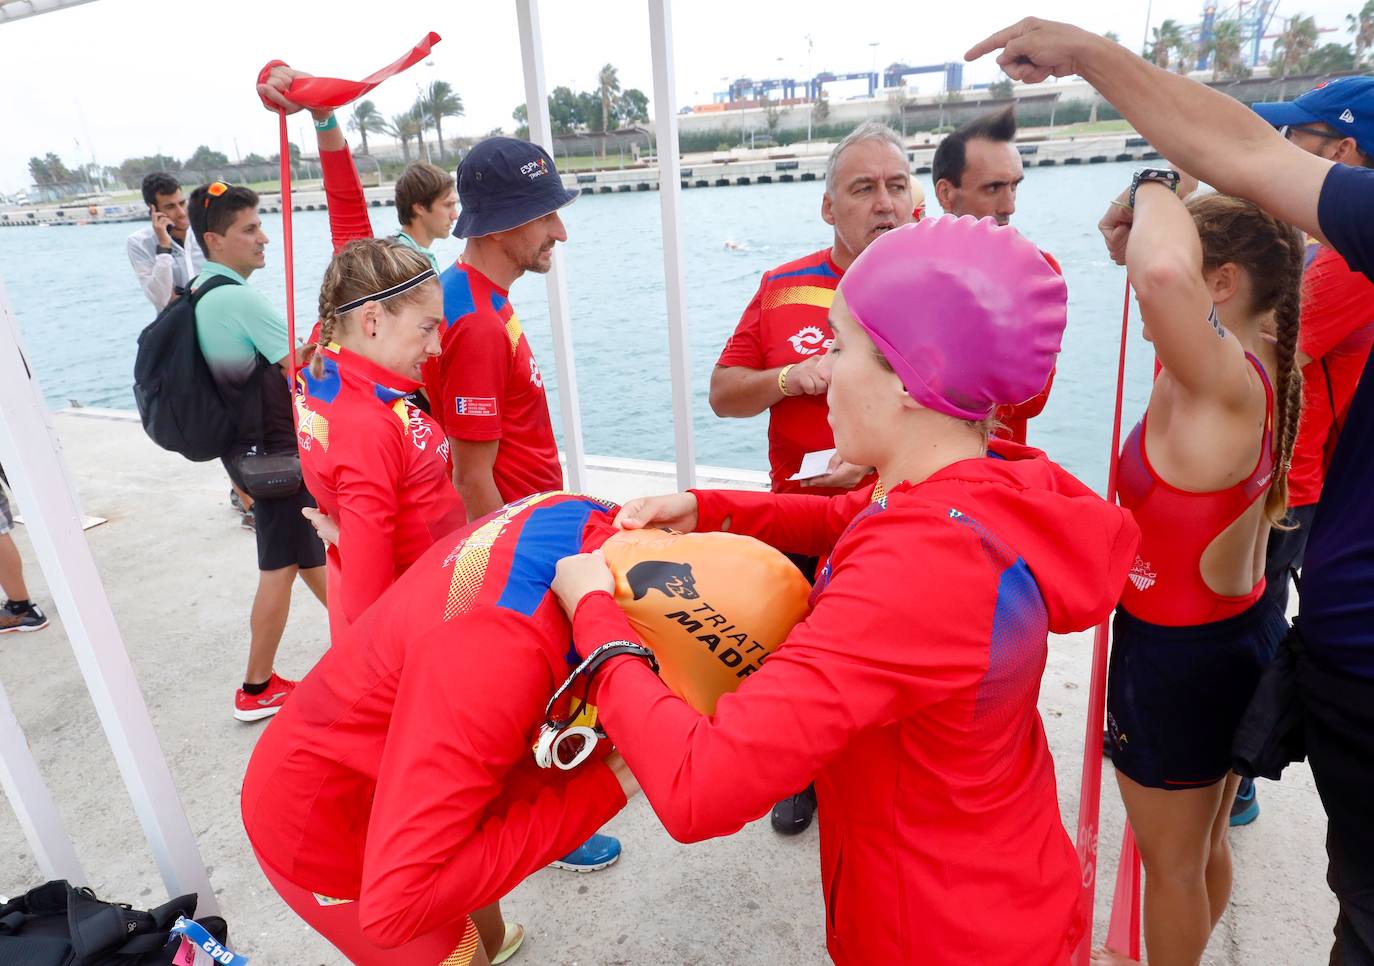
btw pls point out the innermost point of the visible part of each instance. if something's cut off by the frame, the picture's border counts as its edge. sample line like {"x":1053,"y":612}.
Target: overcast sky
{"x":120,"y":78}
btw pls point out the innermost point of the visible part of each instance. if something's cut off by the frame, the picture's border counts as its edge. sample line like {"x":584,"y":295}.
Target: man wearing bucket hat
{"x":421,"y":770}
{"x":485,"y":388}
{"x":909,"y":690}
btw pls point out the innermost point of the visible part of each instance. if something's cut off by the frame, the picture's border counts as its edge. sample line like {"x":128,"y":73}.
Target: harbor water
{"x":80,"y":309}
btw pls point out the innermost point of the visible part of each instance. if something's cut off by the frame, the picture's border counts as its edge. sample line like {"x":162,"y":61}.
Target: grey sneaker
{"x":28,"y":619}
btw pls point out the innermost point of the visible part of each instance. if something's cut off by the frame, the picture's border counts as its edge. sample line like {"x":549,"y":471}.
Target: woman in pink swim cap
{"x":908,"y":692}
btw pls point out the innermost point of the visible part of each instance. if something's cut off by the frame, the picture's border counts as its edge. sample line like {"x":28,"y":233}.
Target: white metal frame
{"x":541,"y":132}
{"x":38,"y":475}
{"x":670,"y":198}
{"x":28,"y":794}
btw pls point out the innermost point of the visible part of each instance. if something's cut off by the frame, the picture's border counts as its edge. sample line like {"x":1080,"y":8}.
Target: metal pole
{"x":670,"y":197}
{"x":33,"y":805}
{"x":37,"y":472}
{"x":810,"y":95}
{"x":541,"y":132}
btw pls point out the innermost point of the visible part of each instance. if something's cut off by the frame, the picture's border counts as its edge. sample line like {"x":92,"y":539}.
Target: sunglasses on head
{"x":214,"y":189}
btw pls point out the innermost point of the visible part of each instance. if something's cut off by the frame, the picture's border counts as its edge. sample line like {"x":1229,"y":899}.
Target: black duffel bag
{"x":57,"y":924}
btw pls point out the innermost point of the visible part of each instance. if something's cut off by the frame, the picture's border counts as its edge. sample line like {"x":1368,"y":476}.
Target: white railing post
{"x":670,"y":197}
{"x":38,"y":476}
{"x":33,"y":805}
{"x":541,"y":132}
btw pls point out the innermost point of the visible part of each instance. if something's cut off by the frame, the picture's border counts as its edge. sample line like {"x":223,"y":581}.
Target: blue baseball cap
{"x":504,"y":183}
{"x":1346,"y":104}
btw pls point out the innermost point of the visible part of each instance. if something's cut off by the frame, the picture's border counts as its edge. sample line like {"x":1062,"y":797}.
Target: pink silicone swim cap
{"x":968,"y":312}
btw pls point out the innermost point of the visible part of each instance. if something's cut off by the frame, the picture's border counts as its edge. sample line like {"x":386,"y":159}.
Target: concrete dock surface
{"x":180,"y":574}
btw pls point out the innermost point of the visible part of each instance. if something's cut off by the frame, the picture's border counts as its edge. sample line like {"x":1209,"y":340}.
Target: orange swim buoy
{"x":711,"y":606}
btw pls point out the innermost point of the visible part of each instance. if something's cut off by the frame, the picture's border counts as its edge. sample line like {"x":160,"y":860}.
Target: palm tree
{"x":1362,"y":26}
{"x":608,"y":86}
{"x":1168,"y":36}
{"x":442,"y":101}
{"x":366,"y":119}
{"x":1299,"y":38}
{"x":419,"y":116}
{"x":1225,"y":48}
{"x":402,"y":127}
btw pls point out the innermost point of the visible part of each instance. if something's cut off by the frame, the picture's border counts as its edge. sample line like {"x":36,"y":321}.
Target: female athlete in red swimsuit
{"x":1204,"y":473}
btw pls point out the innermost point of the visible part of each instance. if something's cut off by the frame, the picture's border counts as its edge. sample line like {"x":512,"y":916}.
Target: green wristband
{"x":328,"y":124}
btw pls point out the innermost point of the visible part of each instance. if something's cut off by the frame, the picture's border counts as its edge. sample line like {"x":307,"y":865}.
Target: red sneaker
{"x":255,"y":707}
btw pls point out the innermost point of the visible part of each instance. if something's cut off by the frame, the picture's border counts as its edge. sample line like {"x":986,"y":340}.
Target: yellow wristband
{"x":782,"y":379}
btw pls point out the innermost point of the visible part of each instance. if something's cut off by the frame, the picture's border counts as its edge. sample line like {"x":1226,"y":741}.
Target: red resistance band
{"x":321,"y":94}
{"x":1090,"y":792}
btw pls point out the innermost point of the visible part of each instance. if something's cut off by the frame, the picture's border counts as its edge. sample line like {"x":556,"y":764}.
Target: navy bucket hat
{"x":504,"y":183}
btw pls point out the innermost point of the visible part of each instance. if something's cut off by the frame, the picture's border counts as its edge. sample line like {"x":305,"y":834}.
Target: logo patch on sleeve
{"x":475,"y":406}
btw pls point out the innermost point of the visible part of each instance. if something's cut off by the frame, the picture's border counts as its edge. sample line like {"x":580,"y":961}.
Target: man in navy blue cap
{"x":1225,"y":144}
{"x":1334,"y":121}
{"x":485,"y":387}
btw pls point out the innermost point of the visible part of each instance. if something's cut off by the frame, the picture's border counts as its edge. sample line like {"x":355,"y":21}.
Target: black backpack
{"x":180,"y":405}
{"x":58,"y":924}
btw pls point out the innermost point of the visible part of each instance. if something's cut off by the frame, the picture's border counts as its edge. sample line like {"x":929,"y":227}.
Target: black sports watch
{"x":1165,"y":176}
{"x":164,"y":249}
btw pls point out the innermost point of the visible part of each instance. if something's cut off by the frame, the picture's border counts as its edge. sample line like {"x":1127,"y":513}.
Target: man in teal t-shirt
{"x":426,"y":206}
{"x":239,"y":333}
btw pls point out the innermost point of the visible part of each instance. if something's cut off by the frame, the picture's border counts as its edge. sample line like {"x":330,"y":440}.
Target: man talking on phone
{"x":165,"y":255}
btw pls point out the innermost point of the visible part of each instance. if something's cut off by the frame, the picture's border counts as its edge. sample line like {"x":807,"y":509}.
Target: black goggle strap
{"x":387,"y":293}
{"x":587,"y":670}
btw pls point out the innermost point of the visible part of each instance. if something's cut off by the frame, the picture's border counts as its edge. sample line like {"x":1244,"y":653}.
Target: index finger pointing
{"x":996,"y":41}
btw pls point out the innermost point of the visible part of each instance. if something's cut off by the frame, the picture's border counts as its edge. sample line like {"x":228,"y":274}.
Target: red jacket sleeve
{"x":745,"y":347}
{"x":343,"y":192}
{"x":708,"y":776}
{"x":369,"y":480}
{"x":462,"y":815}
{"x":791,"y":522}
{"x":474,"y":368}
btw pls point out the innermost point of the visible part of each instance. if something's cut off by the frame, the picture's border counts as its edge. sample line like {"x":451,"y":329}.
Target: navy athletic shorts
{"x":1176,"y":694}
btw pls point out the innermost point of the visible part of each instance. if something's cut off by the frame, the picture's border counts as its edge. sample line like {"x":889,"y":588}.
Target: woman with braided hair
{"x":1205,"y":474}
{"x":376,"y":463}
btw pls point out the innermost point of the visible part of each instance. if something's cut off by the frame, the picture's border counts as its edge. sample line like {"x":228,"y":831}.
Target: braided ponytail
{"x":1288,"y":387}
{"x":361,"y":268}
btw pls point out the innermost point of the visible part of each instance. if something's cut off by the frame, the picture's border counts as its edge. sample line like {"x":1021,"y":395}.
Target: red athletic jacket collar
{"x":364,"y":368}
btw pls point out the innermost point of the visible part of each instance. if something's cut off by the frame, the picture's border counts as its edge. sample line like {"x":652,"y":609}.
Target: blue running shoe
{"x":1245,"y":809}
{"x":596,"y":853}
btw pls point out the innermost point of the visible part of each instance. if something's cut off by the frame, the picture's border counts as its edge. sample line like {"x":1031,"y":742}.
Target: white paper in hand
{"x":813,"y":465}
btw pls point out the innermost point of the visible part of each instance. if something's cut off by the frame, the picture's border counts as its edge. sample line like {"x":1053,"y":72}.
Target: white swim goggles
{"x":565,"y":743}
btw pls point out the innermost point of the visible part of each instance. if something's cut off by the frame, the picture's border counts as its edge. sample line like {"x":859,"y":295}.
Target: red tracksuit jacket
{"x":400,"y":773}
{"x":909,"y":695}
{"x":379,"y":466}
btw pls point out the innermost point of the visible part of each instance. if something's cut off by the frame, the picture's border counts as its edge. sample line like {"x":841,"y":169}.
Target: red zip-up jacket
{"x":400,"y":773}
{"x":379,"y":466}
{"x":909,"y":695}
